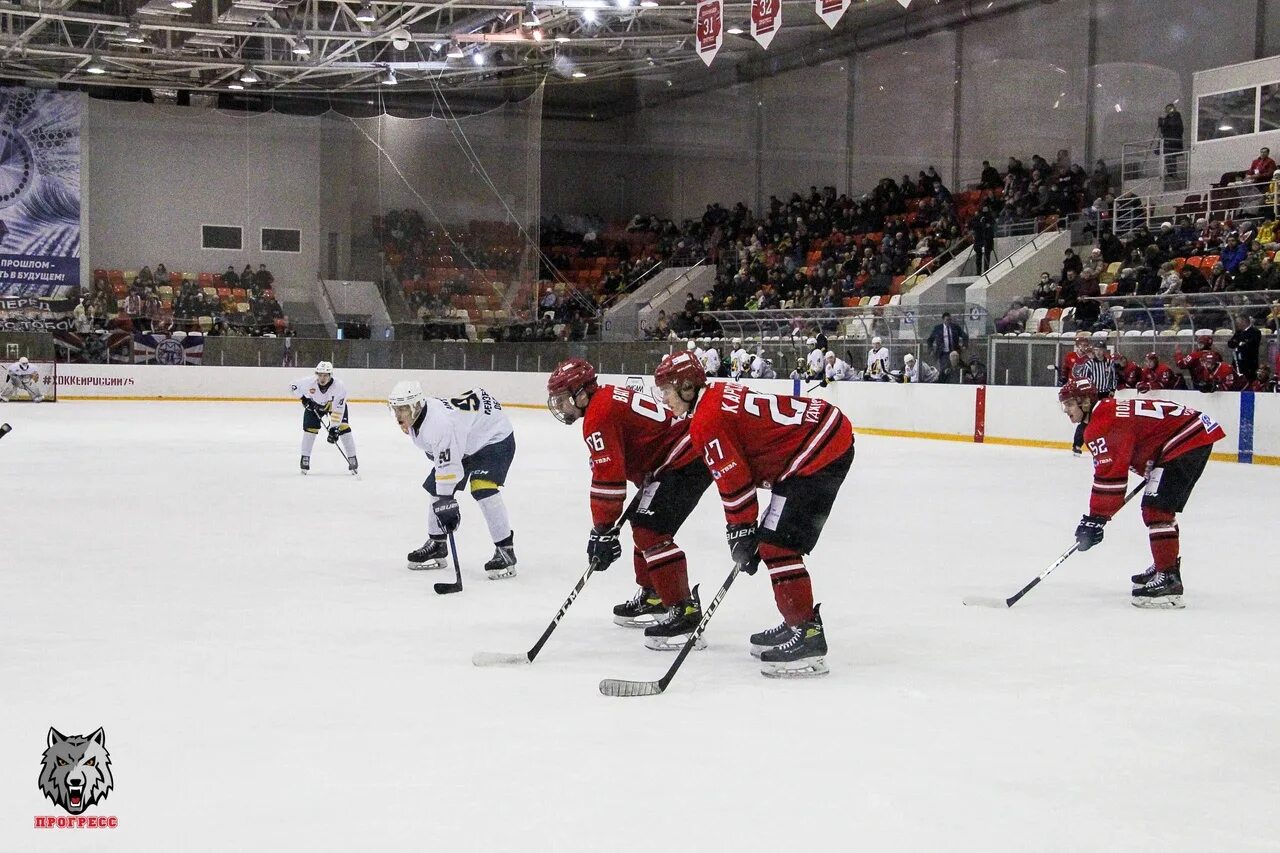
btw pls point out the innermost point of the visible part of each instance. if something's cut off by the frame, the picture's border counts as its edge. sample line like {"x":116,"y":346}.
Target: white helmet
{"x":875,"y":342}
{"x":406,"y":393}
{"x":737,"y":342}
{"x":812,"y":342}
{"x":830,"y":354}
{"x":23,"y":361}
{"x":908,"y":358}
{"x":692,"y":344}
{"x":324,"y":367}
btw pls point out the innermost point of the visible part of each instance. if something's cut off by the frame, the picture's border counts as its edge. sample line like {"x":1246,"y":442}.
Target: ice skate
{"x":644,"y":609}
{"x":801,"y":656}
{"x":770,"y":639}
{"x":672,"y":633}
{"x":352,"y":465}
{"x":1162,"y":592}
{"x":434,"y":554}
{"x":305,"y":464}
{"x":502,"y":564}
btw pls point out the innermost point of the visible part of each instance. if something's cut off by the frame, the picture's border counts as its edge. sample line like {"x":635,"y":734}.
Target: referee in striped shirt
{"x":1101,"y":371}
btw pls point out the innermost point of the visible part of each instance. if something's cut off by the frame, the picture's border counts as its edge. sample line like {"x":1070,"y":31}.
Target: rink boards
{"x":983,"y":414}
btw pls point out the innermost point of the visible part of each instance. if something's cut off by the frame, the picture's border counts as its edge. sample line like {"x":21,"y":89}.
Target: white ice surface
{"x":271,"y":678}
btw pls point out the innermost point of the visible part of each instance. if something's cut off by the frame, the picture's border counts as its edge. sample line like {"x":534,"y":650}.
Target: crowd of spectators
{"x":162,"y":302}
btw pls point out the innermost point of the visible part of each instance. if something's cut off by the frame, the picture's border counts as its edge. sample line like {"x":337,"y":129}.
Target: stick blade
{"x":499,"y":659}
{"x":986,"y":601}
{"x":447,"y":588}
{"x":619,"y":687}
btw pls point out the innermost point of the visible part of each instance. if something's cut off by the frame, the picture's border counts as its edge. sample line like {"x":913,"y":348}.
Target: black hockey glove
{"x":1089,"y":531}
{"x":312,"y":406}
{"x":603,"y":546}
{"x":447,"y":513}
{"x":333,"y":435}
{"x":743,"y":546}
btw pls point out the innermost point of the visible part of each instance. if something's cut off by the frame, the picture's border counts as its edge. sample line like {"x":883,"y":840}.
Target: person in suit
{"x":947,"y":337}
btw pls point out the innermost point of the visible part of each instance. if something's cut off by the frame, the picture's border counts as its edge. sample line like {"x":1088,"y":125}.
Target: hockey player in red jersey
{"x":1072,"y":365}
{"x":799,"y":448}
{"x":1157,"y":376}
{"x":1219,"y":376}
{"x":631,"y":437}
{"x":1167,"y":442}
{"x":1128,"y":374}
{"x":1198,"y":363}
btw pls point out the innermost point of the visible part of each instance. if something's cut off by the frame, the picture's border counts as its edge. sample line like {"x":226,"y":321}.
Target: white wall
{"x":1028,"y":416}
{"x":159,"y":173}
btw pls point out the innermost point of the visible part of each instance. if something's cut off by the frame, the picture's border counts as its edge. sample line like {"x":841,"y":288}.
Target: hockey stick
{"x":345,"y":457}
{"x":5,"y":429}
{"x":822,"y":384}
{"x":502,"y":658}
{"x":984,"y":601}
{"x":456,"y":586}
{"x":619,"y":687}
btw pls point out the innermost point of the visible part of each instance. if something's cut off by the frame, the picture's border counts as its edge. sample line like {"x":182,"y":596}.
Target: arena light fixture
{"x":455,"y":51}
{"x":300,"y":47}
{"x":562,"y":39}
{"x":579,"y":74}
{"x":248,"y":75}
{"x":389,"y":77}
{"x":236,"y":85}
{"x":735,"y":30}
{"x":182,"y":4}
{"x":95,"y":66}
{"x":648,"y":4}
{"x":365,"y":14}
{"x":589,"y":15}
{"x":537,"y":35}
{"x":531,"y":18}
{"x":478,"y":57}
{"x":133,"y":35}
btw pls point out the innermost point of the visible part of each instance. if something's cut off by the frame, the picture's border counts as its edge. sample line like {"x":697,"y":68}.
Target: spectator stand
{"x":1225,"y":201}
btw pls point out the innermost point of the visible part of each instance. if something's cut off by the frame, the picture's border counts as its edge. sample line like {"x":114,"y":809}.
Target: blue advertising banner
{"x":39,"y":200}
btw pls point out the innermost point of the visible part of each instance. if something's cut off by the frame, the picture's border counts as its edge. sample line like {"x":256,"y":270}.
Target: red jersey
{"x":1194,"y":362}
{"x":629,"y":436}
{"x":1070,"y":362}
{"x":1224,"y":378}
{"x":1159,"y":378}
{"x":751,"y":440}
{"x":1126,"y":435}
{"x":1128,"y":376}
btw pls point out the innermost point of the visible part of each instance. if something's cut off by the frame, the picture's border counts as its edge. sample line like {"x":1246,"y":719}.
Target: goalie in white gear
{"x":470,"y":440}
{"x":322,"y":396}
{"x":22,"y":376}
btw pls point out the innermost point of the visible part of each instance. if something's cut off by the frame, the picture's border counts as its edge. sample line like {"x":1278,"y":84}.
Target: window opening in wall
{"x":226,"y":237}
{"x":1227,"y":114}
{"x":281,"y":240}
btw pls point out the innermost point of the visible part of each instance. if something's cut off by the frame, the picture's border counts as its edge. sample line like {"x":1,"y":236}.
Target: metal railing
{"x":1234,"y":201}
{"x":1153,"y":164}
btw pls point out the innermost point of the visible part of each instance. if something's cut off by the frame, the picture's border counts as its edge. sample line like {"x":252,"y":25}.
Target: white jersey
{"x":20,"y":372}
{"x":739,"y":362}
{"x":710,"y":361}
{"x":838,"y":371}
{"x":448,"y":430}
{"x":878,"y":364}
{"x":817,"y":362}
{"x":761,"y":369}
{"x":332,"y":399}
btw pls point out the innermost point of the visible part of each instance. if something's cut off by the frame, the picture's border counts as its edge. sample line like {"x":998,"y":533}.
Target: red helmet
{"x":1151,"y":356}
{"x":1078,"y":389}
{"x":1205,"y":341}
{"x":571,"y":376}
{"x":563,"y":385}
{"x":680,"y":369}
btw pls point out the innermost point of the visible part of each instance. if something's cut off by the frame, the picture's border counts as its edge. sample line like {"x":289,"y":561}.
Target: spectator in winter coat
{"x":1046,"y":292}
{"x":1015,"y":319}
{"x":1262,"y":168}
{"x":1070,"y":262}
{"x":1233,"y":254}
{"x":1068,"y":290}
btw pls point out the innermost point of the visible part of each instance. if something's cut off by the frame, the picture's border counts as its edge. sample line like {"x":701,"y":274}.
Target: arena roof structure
{"x":612,"y":56}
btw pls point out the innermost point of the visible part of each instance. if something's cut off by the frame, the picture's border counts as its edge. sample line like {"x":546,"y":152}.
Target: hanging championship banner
{"x":766,"y":19}
{"x":710,"y":29}
{"x":831,"y":11}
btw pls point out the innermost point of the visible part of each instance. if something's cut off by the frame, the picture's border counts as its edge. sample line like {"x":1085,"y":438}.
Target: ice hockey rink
{"x":269,"y":676}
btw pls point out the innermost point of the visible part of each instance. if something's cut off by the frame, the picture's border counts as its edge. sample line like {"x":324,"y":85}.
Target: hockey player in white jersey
{"x":877,"y":362}
{"x":739,"y":360}
{"x":324,"y":395}
{"x":817,"y":360}
{"x":762,"y":368}
{"x":836,"y":369}
{"x":470,"y":440}
{"x":22,"y":375}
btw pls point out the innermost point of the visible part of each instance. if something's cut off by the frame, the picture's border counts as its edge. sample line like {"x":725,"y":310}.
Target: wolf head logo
{"x":77,"y":770}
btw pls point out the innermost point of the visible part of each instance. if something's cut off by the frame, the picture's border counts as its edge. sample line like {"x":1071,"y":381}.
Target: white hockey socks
{"x":495,"y":515}
{"x":308,"y":442}
{"x":348,"y":442}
